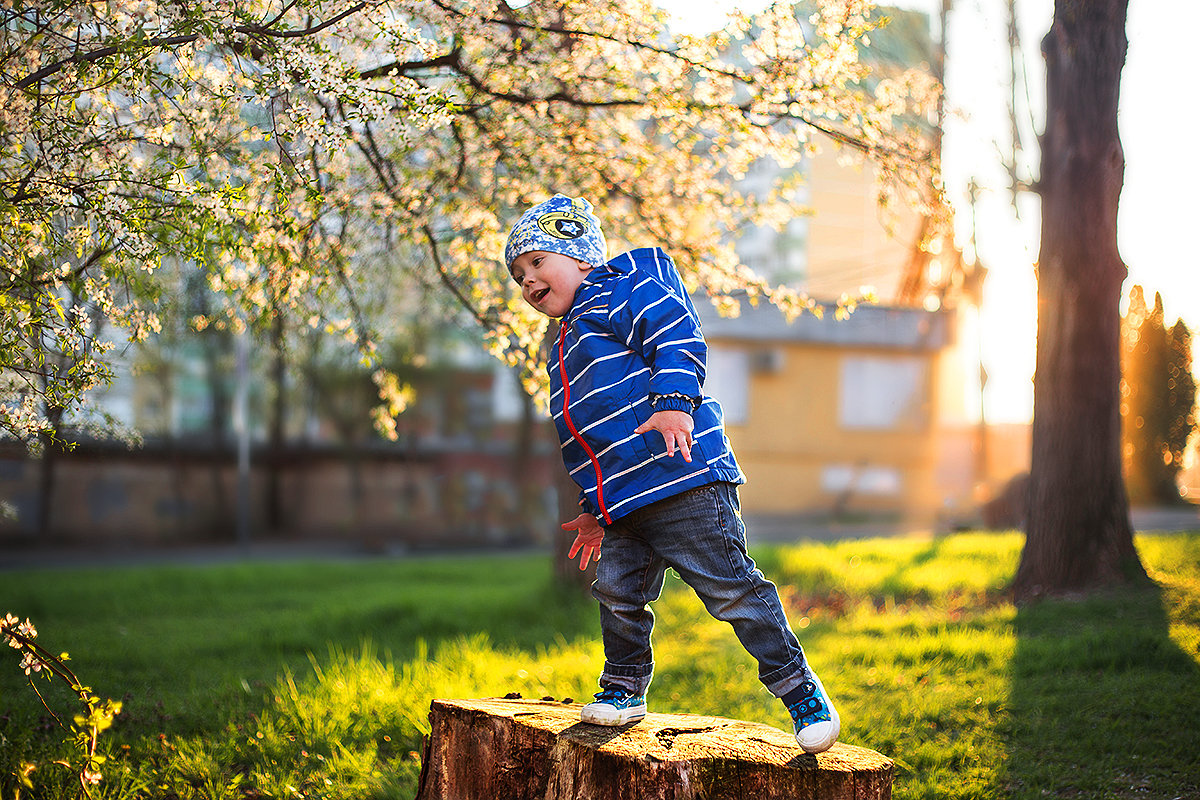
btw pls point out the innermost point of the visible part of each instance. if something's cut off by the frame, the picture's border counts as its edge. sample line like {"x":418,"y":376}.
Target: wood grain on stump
{"x":510,"y":749}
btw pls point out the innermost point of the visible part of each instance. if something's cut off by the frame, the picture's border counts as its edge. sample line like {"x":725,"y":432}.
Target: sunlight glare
{"x":694,"y":17}
{"x":1155,"y":214}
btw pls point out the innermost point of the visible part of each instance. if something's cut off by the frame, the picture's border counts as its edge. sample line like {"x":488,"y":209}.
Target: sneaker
{"x":614,"y":707}
{"x":815,"y":721}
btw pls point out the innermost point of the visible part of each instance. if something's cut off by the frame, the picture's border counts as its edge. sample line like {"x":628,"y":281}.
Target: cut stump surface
{"x":509,"y":749}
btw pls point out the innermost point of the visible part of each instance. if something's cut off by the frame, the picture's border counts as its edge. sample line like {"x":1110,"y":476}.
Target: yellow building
{"x":834,"y":417}
{"x":867,"y":415}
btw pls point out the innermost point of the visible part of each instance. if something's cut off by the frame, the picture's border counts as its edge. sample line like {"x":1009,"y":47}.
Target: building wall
{"x":851,"y":243}
{"x":377,"y":499}
{"x":835,"y":429}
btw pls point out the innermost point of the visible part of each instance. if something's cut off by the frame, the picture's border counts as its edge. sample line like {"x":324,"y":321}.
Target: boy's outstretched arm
{"x":588,"y":537}
{"x":676,"y":429}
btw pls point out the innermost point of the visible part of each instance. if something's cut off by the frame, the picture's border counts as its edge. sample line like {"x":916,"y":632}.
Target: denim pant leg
{"x":701,"y":535}
{"x":628,"y":578}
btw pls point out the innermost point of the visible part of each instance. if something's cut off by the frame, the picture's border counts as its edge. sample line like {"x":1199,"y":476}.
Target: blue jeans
{"x":699,"y":534}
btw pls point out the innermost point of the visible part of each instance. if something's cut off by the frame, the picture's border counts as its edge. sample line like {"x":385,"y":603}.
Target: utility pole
{"x":975,"y":280}
{"x":241,"y":428}
{"x":913,"y":282}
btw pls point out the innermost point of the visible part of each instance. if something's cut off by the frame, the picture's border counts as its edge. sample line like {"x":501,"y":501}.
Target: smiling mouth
{"x":540,"y":294}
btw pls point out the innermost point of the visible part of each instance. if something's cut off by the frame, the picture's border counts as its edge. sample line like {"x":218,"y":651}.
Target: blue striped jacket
{"x":631,"y":345}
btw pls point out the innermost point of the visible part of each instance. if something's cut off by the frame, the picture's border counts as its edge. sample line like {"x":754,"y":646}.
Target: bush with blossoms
{"x":93,"y":715}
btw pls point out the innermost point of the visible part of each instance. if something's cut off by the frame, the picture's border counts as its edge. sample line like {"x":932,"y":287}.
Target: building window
{"x":507,"y":394}
{"x":860,"y":480}
{"x":881,"y":393}
{"x":728,"y":381}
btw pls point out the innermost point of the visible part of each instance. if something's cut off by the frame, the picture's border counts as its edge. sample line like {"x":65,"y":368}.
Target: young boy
{"x":649,"y":451}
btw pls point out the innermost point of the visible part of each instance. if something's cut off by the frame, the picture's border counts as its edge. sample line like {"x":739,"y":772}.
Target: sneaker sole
{"x":823,"y":737}
{"x":829,"y":734}
{"x":612,"y":717}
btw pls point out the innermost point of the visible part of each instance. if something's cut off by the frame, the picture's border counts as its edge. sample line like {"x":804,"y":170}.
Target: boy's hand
{"x":589,"y":537}
{"x":676,"y":429}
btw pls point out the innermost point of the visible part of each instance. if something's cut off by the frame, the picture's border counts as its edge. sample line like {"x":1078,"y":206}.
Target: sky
{"x":1157,"y":119}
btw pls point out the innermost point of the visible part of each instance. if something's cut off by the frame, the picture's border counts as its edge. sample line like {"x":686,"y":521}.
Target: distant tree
{"x":1079,"y":534}
{"x":1181,"y":397}
{"x":1143,"y":391}
{"x":1158,"y":394}
{"x":1191,"y":467}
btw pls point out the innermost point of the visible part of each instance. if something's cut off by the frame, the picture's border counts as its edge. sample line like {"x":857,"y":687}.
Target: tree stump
{"x":514,"y":749}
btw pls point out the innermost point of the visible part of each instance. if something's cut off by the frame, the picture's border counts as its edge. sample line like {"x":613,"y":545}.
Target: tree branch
{"x":450,"y":59}
{"x":286,"y":8}
{"x":481,"y":318}
{"x":453,"y":61}
{"x":178,"y":39}
{"x":563,"y":31}
{"x":101,"y":53}
{"x":266,"y":31}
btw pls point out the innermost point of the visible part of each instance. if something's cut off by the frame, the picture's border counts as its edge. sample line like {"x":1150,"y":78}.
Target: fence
{"x":165,"y":494}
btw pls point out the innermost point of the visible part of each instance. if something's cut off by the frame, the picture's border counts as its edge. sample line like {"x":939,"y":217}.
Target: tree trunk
{"x":274,"y":504}
{"x":218,"y":414}
{"x":487,"y":749}
{"x":566,"y":491}
{"x":567,"y":570}
{"x":47,"y":474}
{"x":214,"y":346}
{"x":1079,"y":534}
{"x":529,"y":493}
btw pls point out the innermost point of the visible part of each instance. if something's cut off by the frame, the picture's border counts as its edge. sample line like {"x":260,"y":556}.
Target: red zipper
{"x":562,"y":374}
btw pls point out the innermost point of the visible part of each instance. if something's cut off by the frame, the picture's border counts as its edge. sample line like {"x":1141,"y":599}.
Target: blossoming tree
{"x":315,"y":158}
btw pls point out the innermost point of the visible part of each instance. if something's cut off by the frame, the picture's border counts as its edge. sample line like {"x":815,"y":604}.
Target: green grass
{"x":185,"y":636}
{"x":314,"y":679}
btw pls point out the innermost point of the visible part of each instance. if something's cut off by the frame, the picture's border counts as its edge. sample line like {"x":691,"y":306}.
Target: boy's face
{"x":548,"y":280}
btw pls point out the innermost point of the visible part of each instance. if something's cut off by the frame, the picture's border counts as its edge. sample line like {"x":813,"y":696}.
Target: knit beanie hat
{"x":559,"y":225}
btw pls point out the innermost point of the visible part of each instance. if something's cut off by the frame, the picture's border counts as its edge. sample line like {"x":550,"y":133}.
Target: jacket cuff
{"x":674,"y":402}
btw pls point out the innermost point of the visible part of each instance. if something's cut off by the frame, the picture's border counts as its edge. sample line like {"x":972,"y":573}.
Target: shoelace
{"x":811,"y":709}
{"x":610,"y":695}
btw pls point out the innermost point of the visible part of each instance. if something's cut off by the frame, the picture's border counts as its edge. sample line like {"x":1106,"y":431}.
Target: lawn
{"x":311,"y":679}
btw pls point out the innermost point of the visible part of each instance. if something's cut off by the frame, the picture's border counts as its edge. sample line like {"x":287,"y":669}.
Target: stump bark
{"x":539,"y":749}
